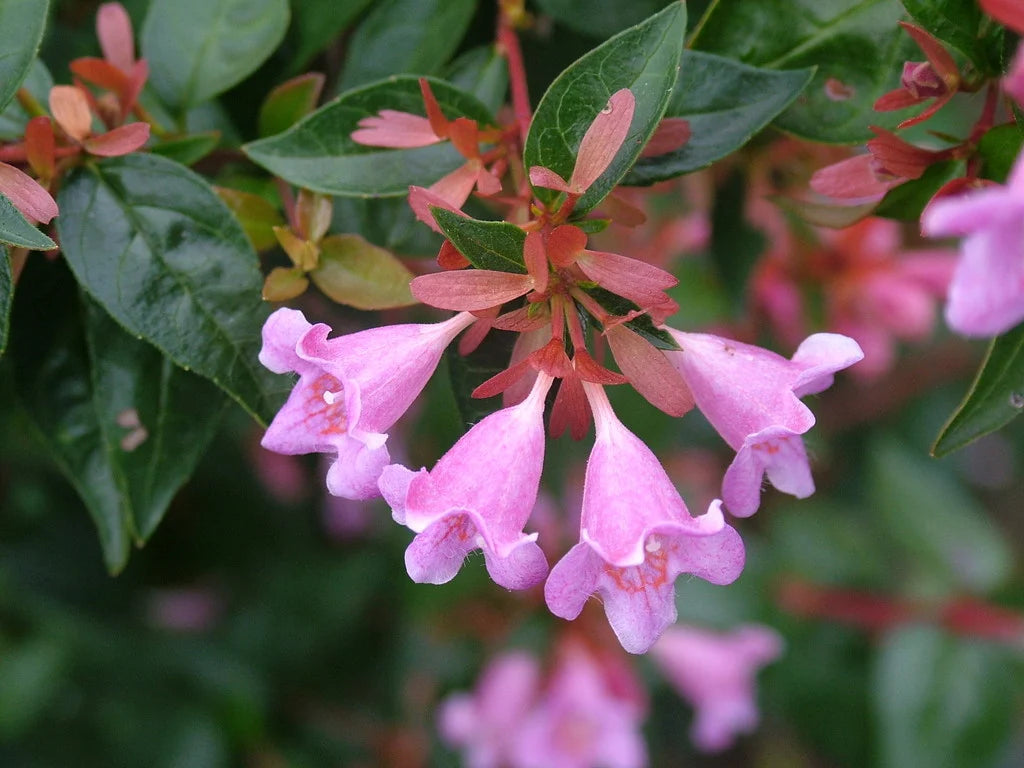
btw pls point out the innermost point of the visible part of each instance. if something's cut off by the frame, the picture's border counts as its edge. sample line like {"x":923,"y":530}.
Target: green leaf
{"x":906,"y":201}
{"x":961,"y":24}
{"x":318,"y":153}
{"x":15,"y":229}
{"x":6,"y":297}
{"x":644,"y":59}
{"x":482,"y":72}
{"x":824,"y":214}
{"x":13,"y":118}
{"x":289,"y":102}
{"x":999,"y":148}
{"x":735,"y":245}
{"x":726,"y":104}
{"x":121,"y":421}
{"x":357,"y":273}
{"x":950,"y":542}
{"x":178,"y":411}
{"x":188,"y":149}
{"x":22,"y":22}
{"x":642,"y":324}
{"x":856,"y":43}
{"x":467,"y":372}
{"x":153,"y":244}
{"x":496,"y":245}
{"x":256,"y":214}
{"x":995,"y":398}
{"x":400,"y":36}
{"x":942,"y":702}
{"x":317,"y":23}
{"x":199,"y":48}
{"x":600,"y":18}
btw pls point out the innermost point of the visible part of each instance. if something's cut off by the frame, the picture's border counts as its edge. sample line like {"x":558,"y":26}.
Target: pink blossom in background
{"x":751,"y":396}
{"x":636,"y":537}
{"x":478,"y":496}
{"x":986,"y":295}
{"x":716,"y":673}
{"x":351,"y":389}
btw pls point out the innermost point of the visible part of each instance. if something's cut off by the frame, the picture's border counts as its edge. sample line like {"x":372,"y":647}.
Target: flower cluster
{"x":636,"y":534}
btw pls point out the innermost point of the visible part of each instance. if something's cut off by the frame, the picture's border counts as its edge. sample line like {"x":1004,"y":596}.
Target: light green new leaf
{"x":155,"y":246}
{"x":644,"y":59}
{"x":362,"y":275}
{"x":22,"y":22}
{"x":15,"y":229}
{"x":199,"y":48}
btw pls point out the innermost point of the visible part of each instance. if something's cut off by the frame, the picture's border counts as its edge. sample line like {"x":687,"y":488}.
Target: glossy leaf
{"x":189,"y":149}
{"x":290,"y":102}
{"x":960,"y":23}
{"x":482,"y":72}
{"x":15,"y":229}
{"x":13,"y":117}
{"x":6,"y":296}
{"x":22,"y":22}
{"x":644,"y":59}
{"x":856,"y":45}
{"x":600,"y":18}
{"x":942,"y":701}
{"x":399,"y":36}
{"x":726,"y":103}
{"x":906,"y":201}
{"x":362,"y":275}
{"x":496,"y":245}
{"x":152,"y":243}
{"x":949,"y":541}
{"x":317,"y":23}
{"x":199,"y":48}
{"x":999,"y":148}
{"x":995,"y":398}
{"x":318,"y":154}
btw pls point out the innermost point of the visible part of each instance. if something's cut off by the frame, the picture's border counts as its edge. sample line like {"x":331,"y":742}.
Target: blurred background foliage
{"x":266,"y":624}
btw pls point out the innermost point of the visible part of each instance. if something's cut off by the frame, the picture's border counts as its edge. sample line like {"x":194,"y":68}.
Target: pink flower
{"x":715,"y":673}
{"x":486,"y":724}
{"x":986,"y":296}
{"x":350,"y":391}
{"x":478,"y":496}
{"x":636,"y":537}
{"x":583,"y":719}
{"x":751,"y":396}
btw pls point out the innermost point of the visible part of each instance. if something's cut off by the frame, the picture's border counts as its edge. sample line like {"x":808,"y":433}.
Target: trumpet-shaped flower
{"x":351,"y":390}
{"x":478,"y":496}
{"x":986,"y":296}
{"x":715,"y":672}
{"x":751,"y":396}
{"x":636,"y":537}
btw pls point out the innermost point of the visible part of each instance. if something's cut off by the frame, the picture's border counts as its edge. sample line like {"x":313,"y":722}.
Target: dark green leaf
{"x":726,"y":104}
{"x":317,"y":23}
{"x":318,"y":154}
{"x":942,"y":702}
{"x":15,"y":230}
{"x":960,"y":23}
{"x":199,"y":48}
{"x":857,"y":46}
{"x":642,"y":324}
{"x":496,"y":245}
{"x":468,"y":372}
{"x":14,"y":117}
{"x":644,"y":59}
{"x":735,"y":244}
{"x":999,"y":149}
{"x":189,"y":149}
{"x":951,"y":544}
{"x":152,"y":243}
{"x":385,"y":221}
{"x":22,"y":22}
{"x":482,"y":72}
{"x":177,"y":410}
{"x":289,"y":102}
{"x":906,"y":201}
{"x":399,"y":36}
{"x":600,"y":18}
{"x":996,"y":397}
{"x":6,"y":297}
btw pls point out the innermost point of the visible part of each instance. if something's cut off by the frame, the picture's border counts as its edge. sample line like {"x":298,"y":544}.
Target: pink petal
{"x":421,"y":200}
{"x":775,"y":451}
{"x":671,"y":134}
{"x":470,"y":289}
{"x":853,"y":180}
{"x":70,"y":109}
{"x":396,"y":130}
{"x":119,"y":141}
{"x":970,"y":212}
{"x":602,"y":140}
{"x":114,"y":29}
{"x":986,"y":296}
{"x":27,"y":195}
{"x":1008,"y":12}
{"x":455,"y":187}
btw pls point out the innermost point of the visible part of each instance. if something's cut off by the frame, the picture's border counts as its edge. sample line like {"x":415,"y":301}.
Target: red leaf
{"x":119,"y":141}
{"x":469,"y":289}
